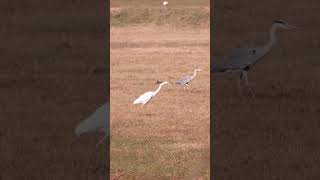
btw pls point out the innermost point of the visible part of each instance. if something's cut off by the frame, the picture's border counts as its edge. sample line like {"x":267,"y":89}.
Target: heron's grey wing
{"x":259,"y":53}
{"x":95,"y":122}
{"x":184,"y":80}
{"x":237,"y":60}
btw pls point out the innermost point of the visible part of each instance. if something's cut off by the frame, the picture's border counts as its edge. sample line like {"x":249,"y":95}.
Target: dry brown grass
{"x":169,"y":137}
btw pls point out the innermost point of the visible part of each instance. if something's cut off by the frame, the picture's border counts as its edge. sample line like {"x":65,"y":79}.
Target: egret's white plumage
{"x":146,"y":97}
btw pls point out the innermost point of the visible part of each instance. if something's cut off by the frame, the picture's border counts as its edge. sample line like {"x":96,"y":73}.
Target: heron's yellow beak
{"x":292,"y":27}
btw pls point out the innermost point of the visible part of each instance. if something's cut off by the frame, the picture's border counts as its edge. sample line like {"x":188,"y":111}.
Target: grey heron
{"x":146,"y":97}
{"x":185,"y":80}
{"x":244,"y":59}
{"x":97,"y":121}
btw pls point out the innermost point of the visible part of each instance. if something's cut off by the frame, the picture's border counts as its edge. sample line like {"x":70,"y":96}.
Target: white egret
{"x":146,"y":97}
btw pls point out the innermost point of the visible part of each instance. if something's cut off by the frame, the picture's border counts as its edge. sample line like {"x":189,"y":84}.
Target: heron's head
{"x":164,"y":3}
{"x":283,"y":24}
{"x":165,"y":82}
{"x":197,"y":69}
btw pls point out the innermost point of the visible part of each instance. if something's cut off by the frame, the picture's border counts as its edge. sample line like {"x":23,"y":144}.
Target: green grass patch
{"x":148,"y":3}
{"x":192,"y":16}
{"x":150,"y":157}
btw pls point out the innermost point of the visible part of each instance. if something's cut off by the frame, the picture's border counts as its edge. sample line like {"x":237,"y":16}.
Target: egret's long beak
{"x":158,"y":82}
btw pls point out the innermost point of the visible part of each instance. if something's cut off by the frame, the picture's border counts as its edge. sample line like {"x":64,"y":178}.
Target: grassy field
{"x":168,"y":138}
{"x":147,"y":3}
{"x":276,"y":134}
{"x":192,"y":17}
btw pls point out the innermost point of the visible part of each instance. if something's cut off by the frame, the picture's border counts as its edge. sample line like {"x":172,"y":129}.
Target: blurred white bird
{"x":164,"y":3}
{"x":146,"y":97}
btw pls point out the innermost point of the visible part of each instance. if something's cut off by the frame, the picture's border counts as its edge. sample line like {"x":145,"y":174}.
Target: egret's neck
{"x":273,"y":37}
{"x":156,"y":91}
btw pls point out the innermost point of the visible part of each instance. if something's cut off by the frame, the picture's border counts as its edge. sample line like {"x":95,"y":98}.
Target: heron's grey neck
{"x":156,"y":91}
{"x":273,"y":37}
{"x":194,"y":73}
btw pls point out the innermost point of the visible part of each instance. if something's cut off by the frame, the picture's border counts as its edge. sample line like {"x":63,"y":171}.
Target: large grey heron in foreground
{"x":185,"y":80}
{"x":96,"y":122}
{"x":244,"y":59}
{"x":146,"y":97}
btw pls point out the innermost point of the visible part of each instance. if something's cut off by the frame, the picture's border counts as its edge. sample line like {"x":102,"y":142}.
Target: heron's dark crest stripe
{"x":279,"y":21}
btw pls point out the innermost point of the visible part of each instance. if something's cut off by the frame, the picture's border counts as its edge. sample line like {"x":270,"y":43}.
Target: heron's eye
{"x":252,"y":52}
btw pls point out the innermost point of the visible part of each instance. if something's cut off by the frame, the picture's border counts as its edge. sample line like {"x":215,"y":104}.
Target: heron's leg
{"x":100,"y":141}
{"x":245,"y":76}
{"x":185,"y":86}
{"x":239,"y":90}
{"x":94,"y":154}
{"x":247,"y":83}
